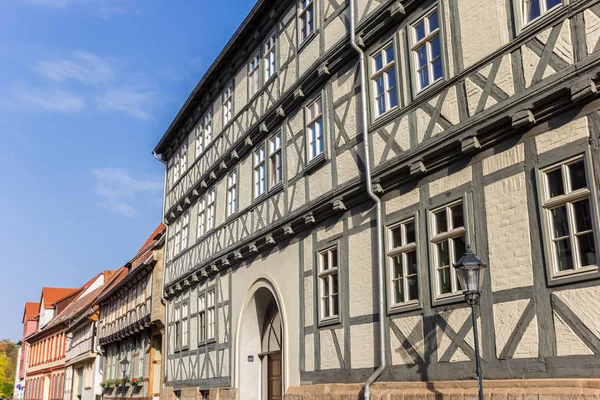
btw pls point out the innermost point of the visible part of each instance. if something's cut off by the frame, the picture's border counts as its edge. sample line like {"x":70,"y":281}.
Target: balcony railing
{"x":126,"y":324}
{"x":83,"y":346}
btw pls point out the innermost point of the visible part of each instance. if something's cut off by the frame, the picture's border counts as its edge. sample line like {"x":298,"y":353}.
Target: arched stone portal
{"x":261,"y":348}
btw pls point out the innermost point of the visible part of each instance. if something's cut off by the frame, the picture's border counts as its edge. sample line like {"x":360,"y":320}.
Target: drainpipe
{"x":164,"y":270}
{"x":380,"y":264}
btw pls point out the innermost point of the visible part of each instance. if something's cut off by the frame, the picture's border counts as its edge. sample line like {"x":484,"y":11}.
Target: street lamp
{"x":470,"y":271}
{"x":124,"y":364}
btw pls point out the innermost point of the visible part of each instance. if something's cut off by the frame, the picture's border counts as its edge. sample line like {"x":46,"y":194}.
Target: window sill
{"x":387,"y":112}
{"x":277,"y":188}
{"x":330,"y":322}
{"x":453,"y":298}
{"x":308,"y":39}
{"x":583,"y":274}
{"x":269,"y":81}
{"x":423,"y":92}
{"x":315,"y":163}
{"x":405,"y":307}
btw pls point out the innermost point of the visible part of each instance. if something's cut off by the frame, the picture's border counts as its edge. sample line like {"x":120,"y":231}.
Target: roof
{"x":141,"y":256}
{"x":74,"y":308}
{"x":32,"y":309}
{"x":160,"y":229}
{"x":52,"y":295}
{"x":233,"y":48}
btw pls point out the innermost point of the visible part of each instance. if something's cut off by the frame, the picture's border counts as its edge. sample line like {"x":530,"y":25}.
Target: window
{"x":228,"y":104}
{"x":232,"y":192}
{"x":427,"y":50}
{"x":179,"y":163}
{"x":207,"y":128}
{"x":202,"y":318}
{"x":210,"y":210}
{"x":448,"y":246}
{"x":533,"y":9}
{"x":403,"y":263}
{"x":275,"y":160}
{"x":567,"y":208}
{"x":260,"y":172}
{"x":384,"y":80}
{"x":253,"y":75}
{"x":184,"y":325}
{"x":211,"y":315}
{"x":270,"y":57}
{"x":201,"y":217}
{"x":328,"y":284}
{"x":184,"y":231}
{"x":306,"y":17}
{"x":180,"y":240}
{"x":177,"y":328}
{"x":314,"y":126}
{"x":204,"y":133}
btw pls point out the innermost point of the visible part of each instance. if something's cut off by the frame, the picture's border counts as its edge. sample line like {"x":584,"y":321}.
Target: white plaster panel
{"x":319,"y":182}
{"x":561,"y":136}
{"x":528,"y":346}
{"x":506,"y":316}
{"x":329,"y":357}
{"x":450,"y":182}
{"x":512,"y":156}
{"x":309,"y":354}
{"x":585,"y":303}
{"x":308,"y":301}
{"x":347,"y":167}
{"x":412,"y":329}
{"x":363,"y":355}
{"x":309,"y":54}
{"x":567,"y":341}
{"x":592,"y":30}
{"x":360,"y":272}
{"x":508,"y":233}
{"x":486,"y":35}
{"x":402,"y":201}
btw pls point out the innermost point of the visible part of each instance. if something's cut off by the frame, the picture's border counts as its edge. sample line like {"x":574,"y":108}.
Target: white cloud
{"x":20,"y":96}
{"x":137,"y":103}
{"x":118,"y":188}
{"x":84,"y":67}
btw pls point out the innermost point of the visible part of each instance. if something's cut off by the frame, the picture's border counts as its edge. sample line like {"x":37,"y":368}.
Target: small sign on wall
{"x":250,"y":358}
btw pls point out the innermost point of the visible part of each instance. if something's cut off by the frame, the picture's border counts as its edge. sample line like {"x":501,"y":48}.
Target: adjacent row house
{"x":335,"y":161}
{"x":68,"y":348}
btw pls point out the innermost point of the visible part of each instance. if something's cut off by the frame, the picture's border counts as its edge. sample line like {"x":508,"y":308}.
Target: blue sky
{"x":87,"y":88}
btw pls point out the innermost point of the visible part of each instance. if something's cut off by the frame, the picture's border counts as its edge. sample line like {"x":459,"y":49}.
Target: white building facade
{"x":476,"y":124}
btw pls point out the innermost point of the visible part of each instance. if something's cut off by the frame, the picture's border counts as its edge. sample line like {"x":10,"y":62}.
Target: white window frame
{"x":207,"y":128}
{"x":402,"y":250}
{"x":270,"y":56}
{"x":306,"y":19}
{"x":228,"y":104}
{"x":566,"y":200}
{"x":275,"y":160}
{"x":184,"y":325}
{"x":210,"y":313}
{"x":199,"y":139}
{"x":449,"y":236}
{"x":179,"y":162}
{"x":315,"y":135}
{"x":426,"y":41}
{"x":232,"y":179}
{"x":388,"y":67}
{"x":254,"y":75}
{"x":202,"y":318}
{"x":544,"y":9}
{"x":328,"y":299}
{"x":177,"y":327}
{"x":201,"y":230}
{"x":177,"y":238}
{"x":260,"y":171}
{"x":185,"y":222}
{"x":210,"y":210}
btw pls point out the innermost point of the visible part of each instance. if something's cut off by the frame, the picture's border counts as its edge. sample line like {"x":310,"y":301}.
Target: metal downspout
{"x":164,"y":270}
{"x":380,"y":264}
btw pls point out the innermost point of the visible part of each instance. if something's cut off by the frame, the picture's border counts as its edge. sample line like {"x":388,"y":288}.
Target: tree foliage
{"x":8,"y":366}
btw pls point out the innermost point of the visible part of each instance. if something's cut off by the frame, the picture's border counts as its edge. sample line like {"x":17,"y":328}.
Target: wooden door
{"x":274,"y":376}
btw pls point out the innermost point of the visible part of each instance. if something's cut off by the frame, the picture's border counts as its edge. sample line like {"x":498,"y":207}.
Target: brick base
{"x":530,"y":389}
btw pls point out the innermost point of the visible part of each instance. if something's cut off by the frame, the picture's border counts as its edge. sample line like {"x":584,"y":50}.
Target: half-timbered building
{"x":332,"y":165}
{"x":131,"y":323}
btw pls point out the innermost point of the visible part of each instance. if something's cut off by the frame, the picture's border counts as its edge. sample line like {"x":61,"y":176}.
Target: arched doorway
{"x":261,"y":358}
